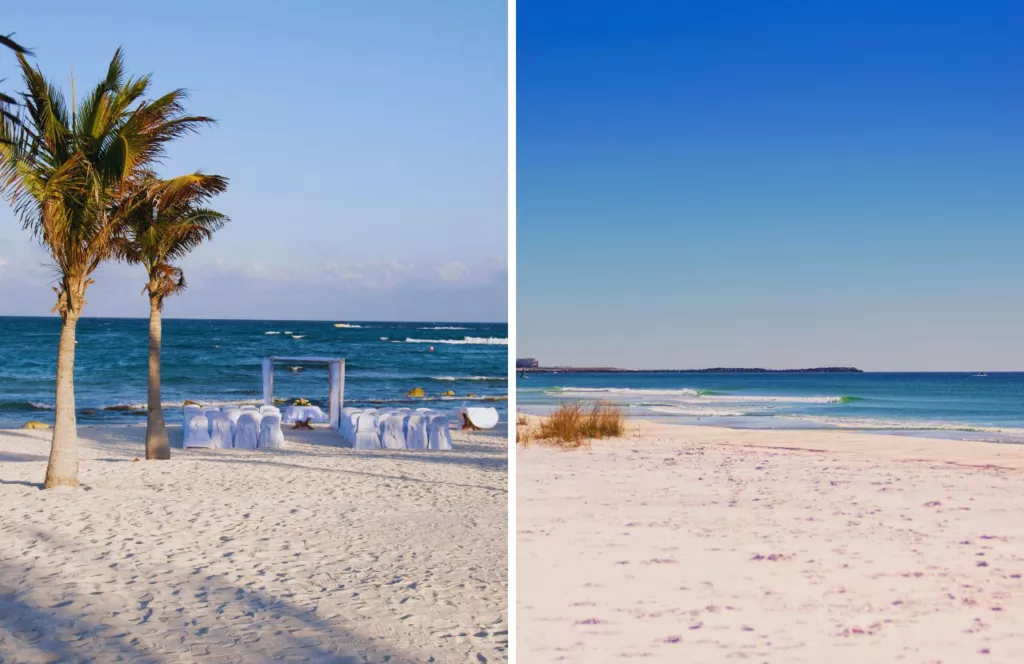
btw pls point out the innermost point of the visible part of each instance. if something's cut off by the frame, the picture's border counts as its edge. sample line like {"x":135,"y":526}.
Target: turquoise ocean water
{"x":218,"y":361}
{"x":965,"y":406}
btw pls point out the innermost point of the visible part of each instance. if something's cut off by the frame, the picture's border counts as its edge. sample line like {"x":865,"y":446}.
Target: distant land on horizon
{"x":711,"y":370}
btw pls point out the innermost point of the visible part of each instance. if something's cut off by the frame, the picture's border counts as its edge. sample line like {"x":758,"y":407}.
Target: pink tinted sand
{"x":698,"y":544}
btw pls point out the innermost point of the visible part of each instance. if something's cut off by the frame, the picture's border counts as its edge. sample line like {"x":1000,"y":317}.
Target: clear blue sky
{"x":365,"y":142}
{"x":771,"y":184}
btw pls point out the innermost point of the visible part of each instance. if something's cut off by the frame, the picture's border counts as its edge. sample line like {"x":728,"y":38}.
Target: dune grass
{"x":572,"y":424}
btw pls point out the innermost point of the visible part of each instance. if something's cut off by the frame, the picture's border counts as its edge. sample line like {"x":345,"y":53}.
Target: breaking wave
{"x":483,"y":341}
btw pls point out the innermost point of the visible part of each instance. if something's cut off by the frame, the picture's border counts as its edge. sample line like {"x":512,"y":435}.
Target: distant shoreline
{"x":548,"y":370}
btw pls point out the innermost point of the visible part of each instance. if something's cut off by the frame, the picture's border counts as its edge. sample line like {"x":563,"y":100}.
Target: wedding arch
{"x":336,"y":370}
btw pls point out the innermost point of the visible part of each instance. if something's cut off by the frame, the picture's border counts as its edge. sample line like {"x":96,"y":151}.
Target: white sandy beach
{"x":700,"y":544}
{"x":312,"y":553}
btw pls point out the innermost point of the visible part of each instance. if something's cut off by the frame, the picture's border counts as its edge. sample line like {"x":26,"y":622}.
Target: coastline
{"x":696,"y":543}
{"x":313,"y":551}
{"x":958,"y":406}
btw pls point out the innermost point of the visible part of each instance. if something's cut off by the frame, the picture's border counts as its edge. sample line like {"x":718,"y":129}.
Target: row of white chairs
{"x":243,"y":427}
{"x":400,"y":429}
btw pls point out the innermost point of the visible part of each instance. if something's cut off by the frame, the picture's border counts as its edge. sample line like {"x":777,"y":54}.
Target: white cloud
{"x":452,"y":272}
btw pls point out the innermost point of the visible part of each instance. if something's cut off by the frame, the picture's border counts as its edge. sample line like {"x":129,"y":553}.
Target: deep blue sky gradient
{"x":771,"y":184}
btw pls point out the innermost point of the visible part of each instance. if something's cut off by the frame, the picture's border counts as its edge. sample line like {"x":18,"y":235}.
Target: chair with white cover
{"x":250,"y":407}
{"x":382,"y":417}
{"x":264,"y":410}
{"x":247,"y":430}
{"x":233,"y":414}
{"x":210,"y":412}
{"x":198,"y":433}
{"x":438,"y":435}
{"x":481,"y":418}
{"x":220,"y":431}
{"x":189,"y":411}
{"x":345,"y":424}
{"x":416,"y":432}
{"x":271,"y":436}
{"x":392,"y":436}
{"x":365,"y":436}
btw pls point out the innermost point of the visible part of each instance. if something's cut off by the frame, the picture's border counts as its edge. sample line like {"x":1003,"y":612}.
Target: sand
{"x":311,"y":553}
{"x":700,"y":544}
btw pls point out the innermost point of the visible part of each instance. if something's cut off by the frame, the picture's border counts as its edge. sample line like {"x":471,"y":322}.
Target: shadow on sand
{"x":114,"y":625}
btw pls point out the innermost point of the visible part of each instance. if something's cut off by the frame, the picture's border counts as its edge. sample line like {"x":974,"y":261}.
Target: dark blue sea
{"x":969,"y":406}
{"x":218,"y":361}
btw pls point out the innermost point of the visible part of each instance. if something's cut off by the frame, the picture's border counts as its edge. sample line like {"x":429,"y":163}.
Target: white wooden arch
{"x":336,"y":367}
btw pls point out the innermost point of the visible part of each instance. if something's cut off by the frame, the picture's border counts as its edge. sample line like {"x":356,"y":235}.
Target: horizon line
{"x":269,"y":320}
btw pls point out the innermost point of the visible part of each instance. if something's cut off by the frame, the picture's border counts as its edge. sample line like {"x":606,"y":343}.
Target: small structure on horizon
{"x":527,"y":363}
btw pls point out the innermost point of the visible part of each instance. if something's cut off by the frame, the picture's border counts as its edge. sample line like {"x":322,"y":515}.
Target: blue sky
{"x":365,"y":143}
{"x":771,"y":184}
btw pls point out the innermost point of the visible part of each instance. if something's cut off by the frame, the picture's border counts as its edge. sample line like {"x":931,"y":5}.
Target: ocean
{"x":963,"y":406}
{"x":219,"y":361}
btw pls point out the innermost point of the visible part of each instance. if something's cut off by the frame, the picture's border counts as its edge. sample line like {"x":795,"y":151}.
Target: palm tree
{"x":70,"y":175}
{"x":169,"y":221}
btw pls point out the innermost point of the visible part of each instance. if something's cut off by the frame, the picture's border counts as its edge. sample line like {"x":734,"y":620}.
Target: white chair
{"x":365,"y":436}
{"x":210,"y":414}
{"x":248,"y":407}
{"x":271,"y":436}
{"x":345,"y":425}
{"x":198,"y":432}
{"x":481,"y":418}
{"x":439,"y":437}
{"x":247,"y":430}
{"x":220,"y":431}
{"x":392,"y":436}
{"x":265,"y":410}
{"x":416,"y":432}
{"x":187,"y":413}
{"x":233,"y":416}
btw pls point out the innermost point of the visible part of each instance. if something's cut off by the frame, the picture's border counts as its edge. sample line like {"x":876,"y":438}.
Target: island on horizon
{"x":530,"y":365}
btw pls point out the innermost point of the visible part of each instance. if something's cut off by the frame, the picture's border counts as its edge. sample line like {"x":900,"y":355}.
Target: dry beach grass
{"x":572,"y":424}
{"x":697,"y":544}
{"x":312,"y":553}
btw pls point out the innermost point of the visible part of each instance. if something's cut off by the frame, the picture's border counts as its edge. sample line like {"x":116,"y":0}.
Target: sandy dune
{"x":694,"y":544}
{"x":312,"y":553}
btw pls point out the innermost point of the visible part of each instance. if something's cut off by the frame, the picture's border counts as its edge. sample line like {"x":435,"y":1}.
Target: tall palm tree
{"x":70,"y":175}
{"x":167,"y":223}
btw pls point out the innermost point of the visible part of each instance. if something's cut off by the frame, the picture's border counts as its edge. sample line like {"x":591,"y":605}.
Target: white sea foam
{"x":383,"y":338}
{"x":272,"y":332}
{"x":483,"y":341}
{"x":750,"y":398}
{"x":695,"y":411}
{"x":298,"y":336}
{"x":42,"y":406}
{"x":626,"y":391}
{"x":469,"y":378}
{"x":443,"y":327}
{"x":689,"y":395}
{"x":347,"y":325}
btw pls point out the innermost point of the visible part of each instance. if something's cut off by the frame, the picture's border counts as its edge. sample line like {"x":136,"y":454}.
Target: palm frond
{"x":6,"y":40}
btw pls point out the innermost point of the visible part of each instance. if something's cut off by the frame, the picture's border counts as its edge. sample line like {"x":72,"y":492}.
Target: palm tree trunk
{"x":62,"y":469}
{"x":157,"y":444}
